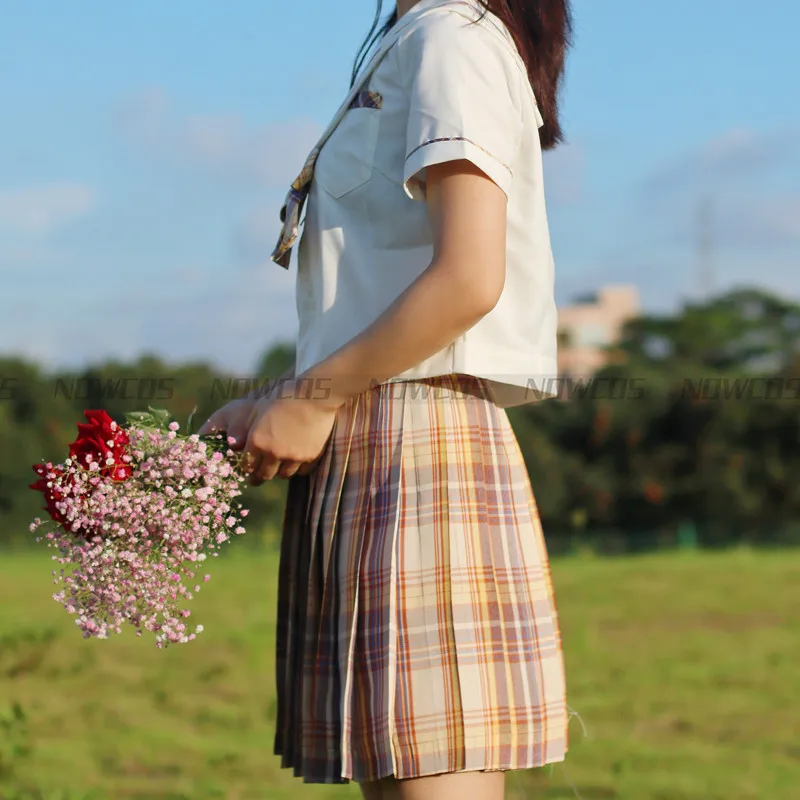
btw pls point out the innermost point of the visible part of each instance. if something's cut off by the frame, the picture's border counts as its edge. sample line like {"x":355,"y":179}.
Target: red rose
{"x":120,"y":472}
{"x":88,"y":449}
{"x":53,"y":493}
{"x":102,"y":426}
{"x":61,"y":485}
{"x":100,"y":440}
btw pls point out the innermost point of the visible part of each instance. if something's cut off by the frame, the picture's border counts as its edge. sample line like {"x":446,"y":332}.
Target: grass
{"x":683,"y":667}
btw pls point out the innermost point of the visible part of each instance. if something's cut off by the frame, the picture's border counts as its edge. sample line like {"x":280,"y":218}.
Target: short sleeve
{"x":463,"y":85}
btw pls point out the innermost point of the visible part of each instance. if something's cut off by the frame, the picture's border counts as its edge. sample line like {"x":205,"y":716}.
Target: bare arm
{"x":287,"y":434}
{"x":235,"y":417}
{"x":266,"y":388}
{"x":462,"y":284}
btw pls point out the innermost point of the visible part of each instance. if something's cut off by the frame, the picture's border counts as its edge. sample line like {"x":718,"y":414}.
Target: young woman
{"x":418,"y":650}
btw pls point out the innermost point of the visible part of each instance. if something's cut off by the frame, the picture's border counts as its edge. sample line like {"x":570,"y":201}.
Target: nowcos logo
{"x":148,"y":389}
{"x":9,"y":387}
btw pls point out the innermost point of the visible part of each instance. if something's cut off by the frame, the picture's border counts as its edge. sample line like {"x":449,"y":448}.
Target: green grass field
{"x":685,"y":669}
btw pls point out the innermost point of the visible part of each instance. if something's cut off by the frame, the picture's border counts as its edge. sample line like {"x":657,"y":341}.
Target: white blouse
{"x":444,"y":86}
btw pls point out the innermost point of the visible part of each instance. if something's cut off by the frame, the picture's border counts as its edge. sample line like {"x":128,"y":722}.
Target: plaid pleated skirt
{"x":417,"y":628}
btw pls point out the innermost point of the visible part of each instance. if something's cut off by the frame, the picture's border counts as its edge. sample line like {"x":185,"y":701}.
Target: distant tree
{"x":747,"y":331}
{"x":700,"y":435}
{"x":276,"y":361}
{"x":705,"y":429}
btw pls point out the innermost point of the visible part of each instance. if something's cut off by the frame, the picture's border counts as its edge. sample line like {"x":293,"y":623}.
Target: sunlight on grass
{"x":683,"y":667}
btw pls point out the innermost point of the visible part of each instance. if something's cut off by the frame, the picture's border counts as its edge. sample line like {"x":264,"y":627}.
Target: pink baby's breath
{"x":133,"y":545}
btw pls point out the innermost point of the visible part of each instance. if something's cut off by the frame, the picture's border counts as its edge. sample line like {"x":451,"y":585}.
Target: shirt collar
{"x":413,"y":14}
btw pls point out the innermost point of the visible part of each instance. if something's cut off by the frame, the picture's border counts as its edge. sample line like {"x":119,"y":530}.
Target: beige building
{"x":586,"y":329}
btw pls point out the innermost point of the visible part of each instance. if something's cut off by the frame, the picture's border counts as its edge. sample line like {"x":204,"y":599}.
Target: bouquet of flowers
{"x":134,"y":511}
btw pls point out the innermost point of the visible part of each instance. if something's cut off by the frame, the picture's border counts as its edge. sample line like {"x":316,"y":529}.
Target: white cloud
{"x":26,"y":256}
{"x":142,"y":115}
{"x":782,"y":217}
{"x":43,"y":209}
{"x":737,"y":154}
{"x":222,"y":146}
{"x":197,"y":314}
{"x":772,"y":221}
{"x":762,"y":222}
{"x":255,"y":237}
{"x":730,"y":190}
{"x":563,"y":169}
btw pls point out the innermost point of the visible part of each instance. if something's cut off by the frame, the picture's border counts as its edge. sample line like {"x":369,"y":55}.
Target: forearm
{"x":267,"y":387}
{"x":441,"y":305}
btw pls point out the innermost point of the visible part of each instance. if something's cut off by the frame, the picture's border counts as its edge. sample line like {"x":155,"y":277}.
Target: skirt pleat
{"x":417,"y":628}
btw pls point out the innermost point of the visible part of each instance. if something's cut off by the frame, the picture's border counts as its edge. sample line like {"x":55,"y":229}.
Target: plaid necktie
{"x":290,"y":213}
{"x":298,"y":193}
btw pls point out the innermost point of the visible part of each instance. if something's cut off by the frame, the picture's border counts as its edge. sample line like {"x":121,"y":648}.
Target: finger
{"x":237,"y":425}
{"x":250,"y":462}
{"x":289,"y":469}
{"x":268,"y":468}
{"x":214,"y":424}
{"x":308,"y":467}
{"x":237,"y":431}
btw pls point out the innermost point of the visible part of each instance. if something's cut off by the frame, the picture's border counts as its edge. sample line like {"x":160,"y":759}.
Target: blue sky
{"x":146,"y":149}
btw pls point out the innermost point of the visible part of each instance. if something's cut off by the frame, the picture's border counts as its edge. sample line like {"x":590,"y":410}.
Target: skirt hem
{"x":520,"y":765}
{"x":421,"y":774}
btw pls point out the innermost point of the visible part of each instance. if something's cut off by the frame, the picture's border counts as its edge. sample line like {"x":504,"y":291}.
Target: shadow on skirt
{"x":417,"y":630}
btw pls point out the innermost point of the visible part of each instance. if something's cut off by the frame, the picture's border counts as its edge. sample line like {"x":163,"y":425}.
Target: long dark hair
{"x":542,"y":31}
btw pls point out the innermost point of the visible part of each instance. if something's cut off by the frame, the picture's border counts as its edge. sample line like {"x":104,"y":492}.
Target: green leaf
{"x":160,"y":414}
{"x":189,"y":421}
{"x":140,"y":417}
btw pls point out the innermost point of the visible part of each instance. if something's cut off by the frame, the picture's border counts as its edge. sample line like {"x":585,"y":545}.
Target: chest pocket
{"x":345,"y":162}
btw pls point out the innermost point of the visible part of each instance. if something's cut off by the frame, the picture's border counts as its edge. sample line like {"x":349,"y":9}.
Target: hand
{"x":234,"y":419}
{"x":287,"y":436}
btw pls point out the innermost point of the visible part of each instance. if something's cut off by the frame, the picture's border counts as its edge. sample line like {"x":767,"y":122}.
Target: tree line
{"x":691,"y":433}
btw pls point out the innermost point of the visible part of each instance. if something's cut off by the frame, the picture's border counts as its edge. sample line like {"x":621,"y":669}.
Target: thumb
{"x":239,"y":424}
{"x":238,"y":430}
{"x":216,"y":423}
